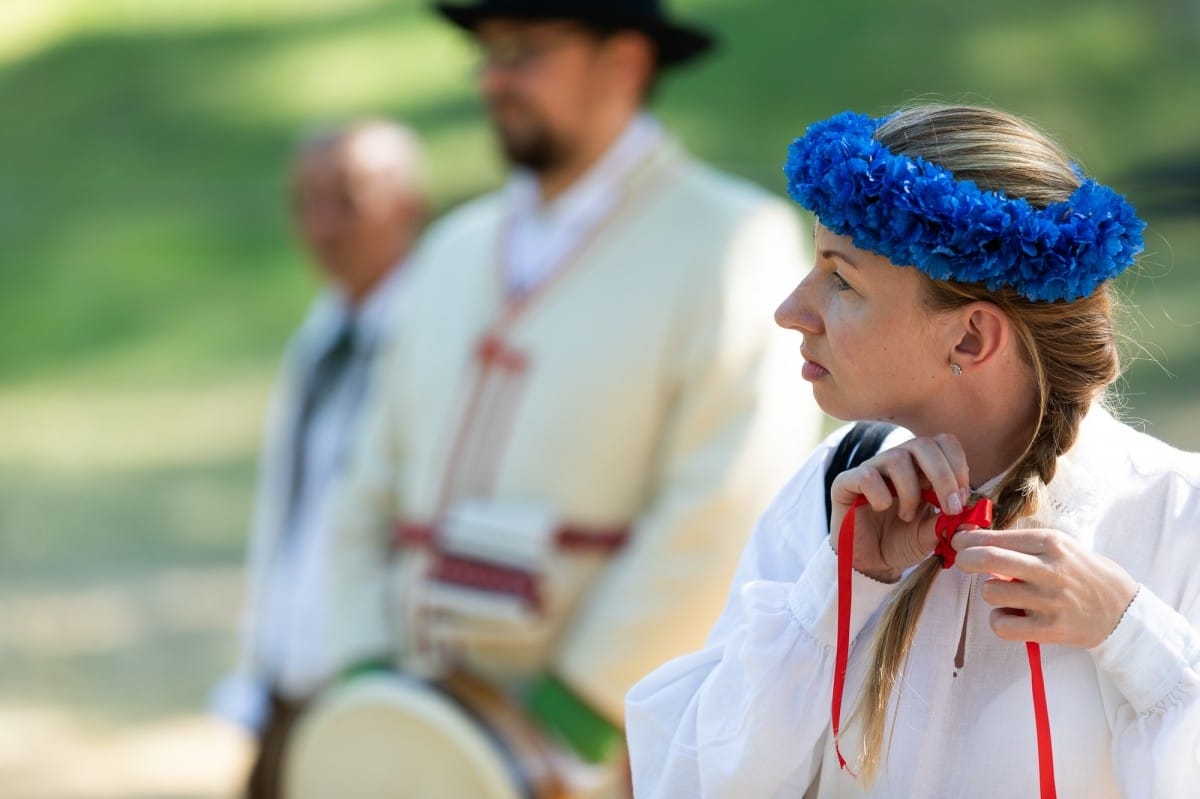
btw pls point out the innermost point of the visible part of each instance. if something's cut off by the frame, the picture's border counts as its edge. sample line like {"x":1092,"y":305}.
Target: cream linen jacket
{"x":563,"y":485}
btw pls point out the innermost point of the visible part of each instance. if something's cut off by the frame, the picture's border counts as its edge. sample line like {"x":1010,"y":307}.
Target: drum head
{"x":383,"y":736}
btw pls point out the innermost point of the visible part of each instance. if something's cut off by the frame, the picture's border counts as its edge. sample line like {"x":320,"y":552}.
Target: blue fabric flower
{"x":915,"y":213}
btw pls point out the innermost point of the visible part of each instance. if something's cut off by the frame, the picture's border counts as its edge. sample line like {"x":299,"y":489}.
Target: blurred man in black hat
{"x":589,"y":404}
{"x":562,"y":81}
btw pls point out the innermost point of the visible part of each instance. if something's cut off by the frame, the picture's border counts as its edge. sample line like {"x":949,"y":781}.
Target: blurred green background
{"x":148,"y":281}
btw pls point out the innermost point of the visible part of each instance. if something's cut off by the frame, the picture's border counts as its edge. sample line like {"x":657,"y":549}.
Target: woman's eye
{"x":840,"y":283}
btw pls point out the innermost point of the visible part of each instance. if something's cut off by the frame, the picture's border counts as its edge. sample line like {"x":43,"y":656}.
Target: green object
{"x":556,"y":708}
{"x":373,"y":665}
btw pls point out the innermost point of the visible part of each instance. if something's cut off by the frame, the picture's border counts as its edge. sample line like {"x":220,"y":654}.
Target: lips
{"x":812,"y":370}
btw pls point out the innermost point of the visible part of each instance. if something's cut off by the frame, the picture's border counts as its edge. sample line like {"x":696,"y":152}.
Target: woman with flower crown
{"x":1007,"y":593}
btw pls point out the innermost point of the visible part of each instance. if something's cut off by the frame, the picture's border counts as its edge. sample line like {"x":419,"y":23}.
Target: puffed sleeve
{"x":1153,"y":659}
{"x":748,"y":715}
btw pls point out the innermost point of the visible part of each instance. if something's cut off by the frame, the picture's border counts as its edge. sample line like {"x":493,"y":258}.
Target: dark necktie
{"x":326,"y":374}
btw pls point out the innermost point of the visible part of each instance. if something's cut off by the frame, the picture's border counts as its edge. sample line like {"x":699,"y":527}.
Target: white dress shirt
{"x":284,"y":639}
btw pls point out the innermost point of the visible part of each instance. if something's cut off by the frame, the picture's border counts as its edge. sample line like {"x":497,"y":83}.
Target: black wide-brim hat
{"x":676,"y":42}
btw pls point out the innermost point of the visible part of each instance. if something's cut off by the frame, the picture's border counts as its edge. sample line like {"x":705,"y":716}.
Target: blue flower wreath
{"x":915,"y":213}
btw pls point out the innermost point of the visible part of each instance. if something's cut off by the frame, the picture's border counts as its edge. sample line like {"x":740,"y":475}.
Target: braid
{"x":1070,"y":374}
{"x":1070,"y":348}
{"x":1060,"y":413}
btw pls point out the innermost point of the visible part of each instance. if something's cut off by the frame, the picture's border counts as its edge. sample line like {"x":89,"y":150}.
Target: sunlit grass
{"x":27,"y":26}
{"x":107,"y":428}
{"x":141,"y":186}
{"x":403,"y":63}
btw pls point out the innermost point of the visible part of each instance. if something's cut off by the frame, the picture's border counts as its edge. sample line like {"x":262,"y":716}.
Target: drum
{"x":386,"y":736}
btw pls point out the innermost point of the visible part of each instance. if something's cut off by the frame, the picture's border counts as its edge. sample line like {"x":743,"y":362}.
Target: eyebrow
{"x":841,"y":256}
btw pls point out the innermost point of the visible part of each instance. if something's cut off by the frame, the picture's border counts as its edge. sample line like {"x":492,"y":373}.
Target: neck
{"x":994,"y":424}
{"x":555,"y":179}
{"x":357,"y":290}
{"x":357,"y":294}
{"x":991,"y":453}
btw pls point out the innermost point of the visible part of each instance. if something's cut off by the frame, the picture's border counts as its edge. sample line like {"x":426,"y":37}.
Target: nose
{"x":798,"y":311}
{"x":493,"y":77}
{"x":488,"y":78}
{"x":318,"y":217}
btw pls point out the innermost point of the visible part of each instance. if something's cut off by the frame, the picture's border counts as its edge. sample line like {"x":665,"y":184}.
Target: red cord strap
{"x":980,"y":515}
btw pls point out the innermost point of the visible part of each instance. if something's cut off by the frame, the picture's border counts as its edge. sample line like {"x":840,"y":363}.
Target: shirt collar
{"x":377,"y":311}
{"x":1069,"y":502}
{"x":1082,"y":477}
{"x":600,"y":183}
{"x":373,"y":316}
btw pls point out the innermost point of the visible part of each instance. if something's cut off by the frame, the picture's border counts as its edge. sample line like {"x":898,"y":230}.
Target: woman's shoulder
{"x":1136,"y":499}
{"x":1134,"y":454}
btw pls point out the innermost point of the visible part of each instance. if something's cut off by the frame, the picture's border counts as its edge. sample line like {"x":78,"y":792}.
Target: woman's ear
{"x":982,"y":332}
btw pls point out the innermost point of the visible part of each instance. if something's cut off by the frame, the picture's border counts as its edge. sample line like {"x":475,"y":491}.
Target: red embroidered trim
{"x":483,"y":576}
{"x":465,"y":423}
{"x":411,"y":534}
{"x":493,"y":351}
{"x":569,"y":538}
{"x":583,"y":539}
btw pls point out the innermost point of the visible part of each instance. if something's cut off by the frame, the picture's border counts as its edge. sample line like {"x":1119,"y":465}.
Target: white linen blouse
{"x":748,"y":715}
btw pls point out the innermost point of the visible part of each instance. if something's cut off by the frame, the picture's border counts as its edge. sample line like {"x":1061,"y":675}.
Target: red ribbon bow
{"x":977,"y":513}
{"x":947,"y":524}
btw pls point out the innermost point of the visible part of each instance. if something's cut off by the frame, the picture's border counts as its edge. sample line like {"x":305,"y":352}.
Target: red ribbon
{"x":947,"y":524}
{"x":1041,"y":720}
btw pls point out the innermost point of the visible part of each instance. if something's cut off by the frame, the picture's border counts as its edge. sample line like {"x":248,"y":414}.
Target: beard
{"x":525,"y":137}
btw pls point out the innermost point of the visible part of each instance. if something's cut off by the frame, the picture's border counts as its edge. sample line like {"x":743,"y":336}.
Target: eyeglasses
{"x":519,"y":54}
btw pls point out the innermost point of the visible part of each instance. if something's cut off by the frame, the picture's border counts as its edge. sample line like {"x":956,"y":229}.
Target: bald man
{"x":359,"y":199}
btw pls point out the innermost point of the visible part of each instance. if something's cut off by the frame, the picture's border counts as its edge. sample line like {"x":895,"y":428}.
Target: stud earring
{"x":956,"y":370}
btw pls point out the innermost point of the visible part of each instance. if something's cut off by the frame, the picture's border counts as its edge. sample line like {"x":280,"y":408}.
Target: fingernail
{"x":954,"y":504}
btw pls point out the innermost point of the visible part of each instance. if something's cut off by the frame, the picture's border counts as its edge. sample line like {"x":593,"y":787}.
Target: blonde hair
{"x":1071,"y":349}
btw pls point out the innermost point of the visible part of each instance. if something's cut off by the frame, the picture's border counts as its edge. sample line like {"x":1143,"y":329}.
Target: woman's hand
{"x":893,"y":533}
{"x":1046,"y":587}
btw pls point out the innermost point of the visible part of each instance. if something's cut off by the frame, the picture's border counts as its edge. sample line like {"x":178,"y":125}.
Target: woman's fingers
{"x":895,"y":478}
{"x":938,"y":463}
{"x":1046,"y":586}
{"x":900,"y":531}
{"x":1002,"y":592}
{"x":1015,"y":554}
{"x":864,"y":480}
{"x":944,"y":464}
{"x":1015,"y":625}
{"x":905,"y":481}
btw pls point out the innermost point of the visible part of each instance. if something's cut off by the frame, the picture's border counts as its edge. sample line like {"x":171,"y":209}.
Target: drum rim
{"x":434,"y":707}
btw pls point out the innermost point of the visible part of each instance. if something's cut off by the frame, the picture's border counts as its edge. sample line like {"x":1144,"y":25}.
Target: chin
{"x":848,"y":411}
{"x":829,"y":404}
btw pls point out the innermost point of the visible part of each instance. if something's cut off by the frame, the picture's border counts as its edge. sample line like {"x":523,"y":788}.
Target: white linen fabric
{"x":748,"y":716}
